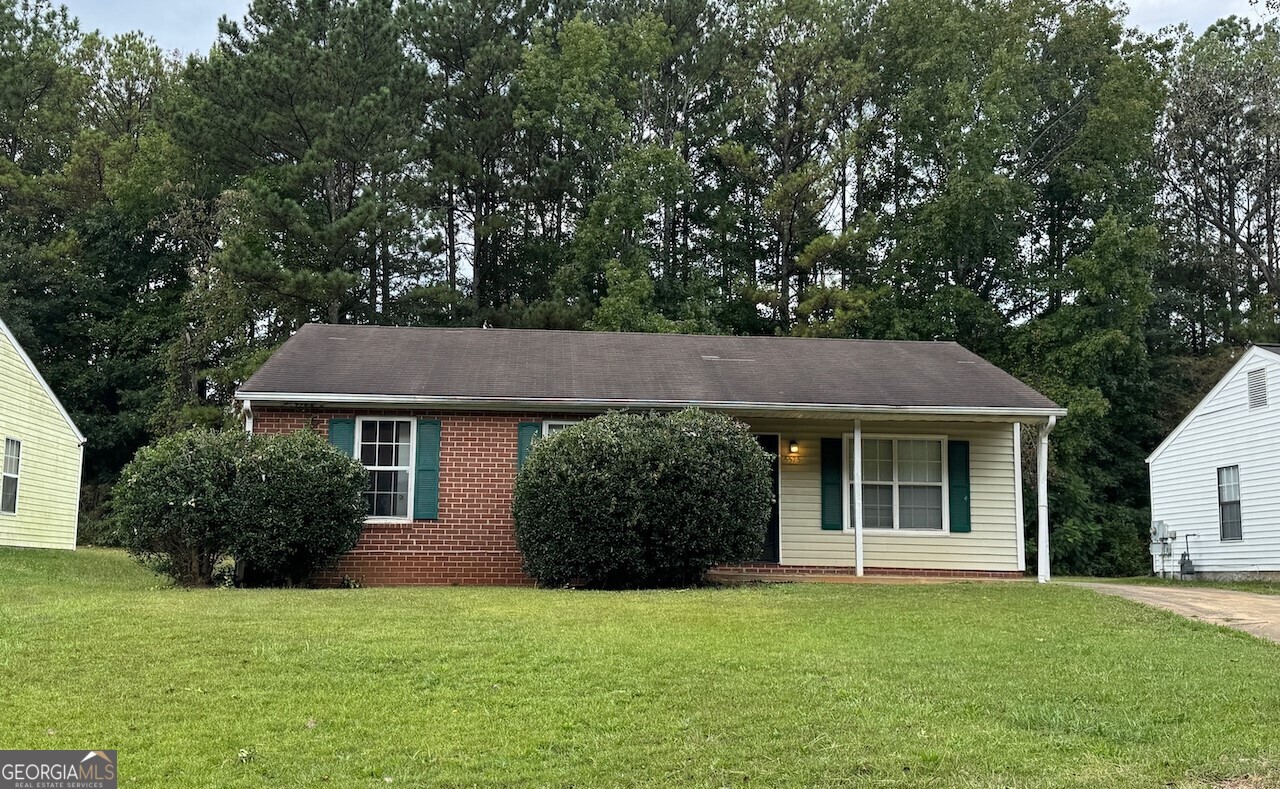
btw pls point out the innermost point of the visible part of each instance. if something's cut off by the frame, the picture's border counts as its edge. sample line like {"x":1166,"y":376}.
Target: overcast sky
{"x":192,"y":25}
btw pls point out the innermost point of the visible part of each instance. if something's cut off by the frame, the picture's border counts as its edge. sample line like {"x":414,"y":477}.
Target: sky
{"x":192,"y":25}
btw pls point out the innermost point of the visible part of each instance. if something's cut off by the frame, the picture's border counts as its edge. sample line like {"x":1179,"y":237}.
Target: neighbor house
{"x":893,"y":457}
{"x":43,"y":453}
{"x":1215,"y":480}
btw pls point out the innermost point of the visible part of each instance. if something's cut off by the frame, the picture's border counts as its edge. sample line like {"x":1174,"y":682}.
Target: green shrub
{"x":627,"y":500}
{"x":301,"y":506}
{"x":175,"y":502}
{"x":282,"y":506}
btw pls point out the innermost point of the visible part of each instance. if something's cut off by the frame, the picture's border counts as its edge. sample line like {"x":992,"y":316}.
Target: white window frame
{"x":547,"y":424}
{"x":1238,"y":501}
{"x":17,"y":475}
{"x":412,"y":469}
{"x":855,"y":499}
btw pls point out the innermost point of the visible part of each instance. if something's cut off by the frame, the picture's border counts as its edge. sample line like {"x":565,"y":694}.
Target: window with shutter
{"x":384,"y":448}
{"x":902,"y":483}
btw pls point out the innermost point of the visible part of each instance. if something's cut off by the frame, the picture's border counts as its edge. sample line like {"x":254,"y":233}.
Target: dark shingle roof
{"x":341,"y":362}
{"x":1272,"y":348}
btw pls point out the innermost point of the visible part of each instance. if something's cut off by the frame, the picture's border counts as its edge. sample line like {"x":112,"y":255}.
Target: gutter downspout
{"x":75,"y":533}
{"x":246,"y":410}
{"x":1042,"y":500}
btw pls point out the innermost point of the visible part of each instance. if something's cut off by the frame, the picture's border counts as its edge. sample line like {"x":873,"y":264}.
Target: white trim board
{"x":40,"y":379}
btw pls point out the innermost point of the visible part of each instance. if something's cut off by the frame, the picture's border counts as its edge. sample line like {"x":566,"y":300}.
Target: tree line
{"x":1089,"y":206}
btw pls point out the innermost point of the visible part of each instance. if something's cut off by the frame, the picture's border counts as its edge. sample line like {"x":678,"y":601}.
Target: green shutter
{"x":958,"y":480}
{"x":528,"y":432}
{"x":832,"y":484}
{"x":426,"y":475}
{"x":342,"y":434}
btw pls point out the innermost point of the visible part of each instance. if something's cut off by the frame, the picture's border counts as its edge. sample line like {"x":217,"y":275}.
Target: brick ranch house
{"x":892,"y":457}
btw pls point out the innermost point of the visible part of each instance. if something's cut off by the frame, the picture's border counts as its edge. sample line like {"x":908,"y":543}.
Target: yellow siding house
{"x":43,"y":453}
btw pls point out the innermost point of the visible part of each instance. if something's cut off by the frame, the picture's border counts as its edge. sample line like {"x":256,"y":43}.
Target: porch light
{"x":794,"y":447}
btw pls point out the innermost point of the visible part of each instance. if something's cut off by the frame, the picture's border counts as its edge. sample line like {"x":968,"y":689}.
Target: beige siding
{"x":993,"y":543}
{"x":48,"y":484}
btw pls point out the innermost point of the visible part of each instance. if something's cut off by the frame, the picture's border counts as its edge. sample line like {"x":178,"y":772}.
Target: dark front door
{"x":770,"y":552}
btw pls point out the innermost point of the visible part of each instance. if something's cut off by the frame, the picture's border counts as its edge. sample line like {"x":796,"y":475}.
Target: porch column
{"x":1019,"y":519}
{"x":855,"y":497}
{"x":1042,"y":500}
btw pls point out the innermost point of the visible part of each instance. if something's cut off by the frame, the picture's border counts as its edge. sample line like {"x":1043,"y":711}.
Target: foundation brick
{"x":796,"y":570}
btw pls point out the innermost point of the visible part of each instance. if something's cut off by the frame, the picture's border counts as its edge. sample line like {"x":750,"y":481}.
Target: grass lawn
{"x":944,"y":685}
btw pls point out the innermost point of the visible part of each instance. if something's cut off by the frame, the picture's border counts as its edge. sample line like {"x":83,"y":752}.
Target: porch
{"x":908,"y":497}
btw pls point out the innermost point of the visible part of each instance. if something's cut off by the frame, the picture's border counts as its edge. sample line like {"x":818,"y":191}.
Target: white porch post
{"x":855,"y":499}
{"x":1042,"y":500}
{"x":1019,"y":519}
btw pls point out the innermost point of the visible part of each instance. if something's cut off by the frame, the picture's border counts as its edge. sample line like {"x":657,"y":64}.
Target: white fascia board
{"x":40,"y":379}
{"x":1253,"y":353}
{"x":570,"y":403}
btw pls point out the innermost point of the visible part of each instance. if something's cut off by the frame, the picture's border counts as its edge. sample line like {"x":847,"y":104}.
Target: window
{"x":1229,"y":503}
{"x":902,"y":482}
{"x":9,"y":476}
{"x":386,"y":451}
{"x":877,"y":484}
{"x":1258,"y":388}
{"x":556,"y":426}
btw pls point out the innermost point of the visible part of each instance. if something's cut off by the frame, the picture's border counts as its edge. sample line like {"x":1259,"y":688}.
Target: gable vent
{"x":1258,"y":388}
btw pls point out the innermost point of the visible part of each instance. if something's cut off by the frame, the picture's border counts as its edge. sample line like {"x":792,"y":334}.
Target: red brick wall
{"x":473,"y":541}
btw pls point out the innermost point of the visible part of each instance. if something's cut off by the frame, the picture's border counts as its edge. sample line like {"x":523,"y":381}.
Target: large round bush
{"x":300,"y":507}
{"x":627,"y":500}
{"x":175,"y":502}
{"x":283,"y":506}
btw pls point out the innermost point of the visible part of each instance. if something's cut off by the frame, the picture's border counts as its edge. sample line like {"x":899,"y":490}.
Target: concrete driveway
{"x":1258,"y":614}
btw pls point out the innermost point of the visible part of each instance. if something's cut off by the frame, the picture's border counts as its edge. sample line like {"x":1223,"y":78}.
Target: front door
{"x":769,"y":443}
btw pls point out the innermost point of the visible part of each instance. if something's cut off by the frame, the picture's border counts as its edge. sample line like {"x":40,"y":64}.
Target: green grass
{"x":802,"y":685}
{"x":1258,"y":587}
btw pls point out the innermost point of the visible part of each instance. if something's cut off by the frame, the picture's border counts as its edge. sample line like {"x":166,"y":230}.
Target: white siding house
{"x":1215,"y":481}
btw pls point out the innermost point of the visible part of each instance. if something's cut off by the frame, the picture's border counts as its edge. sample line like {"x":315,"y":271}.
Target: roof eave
{"x":569,"y":403}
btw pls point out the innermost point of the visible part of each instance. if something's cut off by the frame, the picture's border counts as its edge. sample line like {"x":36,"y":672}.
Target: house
{"x":43,"y":453}
{"x":1215,"y":480}
{"x":893,"y":457}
